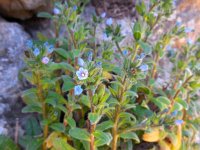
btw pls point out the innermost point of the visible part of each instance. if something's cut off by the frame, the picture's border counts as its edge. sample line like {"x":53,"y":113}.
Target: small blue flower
{"x":36,"y":51}
{"x":45,"y":60}
{"x":144,"y":67}
{"x":29,"y":43}
{"x":78,"y":90}
{"x":90,"y":54}
{"x":105,"y":36}
{"x":188,"y":30}
{"x":81,"y":62}
{"x":178,"y":23}
{"x":46,"y":44}
{"x":155,"y":14}
{"x":125,"y":52}
{"x":109,"y":22}
{"x":103,"y":15}
{"x":75,"y":7}
{"x":56,"y":11}
{"x":50,"y":49}
{"x":82,"y":73}
{"x":141,"y":56}
{"x":174,"y":113}
{"x":178,"y":122}
{"x":189,"y":41}
{"x":99,"y":64}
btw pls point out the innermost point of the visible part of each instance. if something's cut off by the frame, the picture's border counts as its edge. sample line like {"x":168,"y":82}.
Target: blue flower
{"x":189,"y":41}
{"x":36,"y":51}
{"x":45,"y":60}
{"x":81,"y":62}
{"x":103,"y":15}
{"x":178,"y":122}
{"x":29,"y":43}
{"x":78,"y":90}
{"x":174,"y":113}
{"x":178,"y":23}
{"x":46,"y":44}
{"x":82,"y":73}
{"x":90,"y":56}
{"x":50,"y":49}
{"x":109,"y":22}
{"x":99,"y":64}
{"x":56,"y":11}
{"x":75,"y":7}
{"x":141,"y":56}
{"x":105,"y":37}
{"x":188,"y":30}
{"x":125,"y":52}
{"x":144,"y":67}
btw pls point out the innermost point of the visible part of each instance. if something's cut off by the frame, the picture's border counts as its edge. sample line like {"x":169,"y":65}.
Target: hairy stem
{"x":92,"y":126}
{"x":44,"y":113}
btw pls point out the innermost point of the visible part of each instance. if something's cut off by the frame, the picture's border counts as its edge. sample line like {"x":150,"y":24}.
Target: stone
{"x":22,"y":9}
{"x":115,"y":8}
{"x":12,"y":46}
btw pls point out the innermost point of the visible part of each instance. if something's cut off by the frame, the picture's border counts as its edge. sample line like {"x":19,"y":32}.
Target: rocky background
{"x":18,"y":23}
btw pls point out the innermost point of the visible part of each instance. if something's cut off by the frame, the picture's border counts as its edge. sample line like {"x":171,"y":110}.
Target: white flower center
{"x":82,"y":74}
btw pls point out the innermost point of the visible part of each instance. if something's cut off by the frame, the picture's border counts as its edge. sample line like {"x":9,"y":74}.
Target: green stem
{"x":92,"y":126}
{"x":44,"y":113}
{"x":153,"y":74}
{"x":179,"y":90}
{"x":115,"y":134}
{"x":119,"y":49}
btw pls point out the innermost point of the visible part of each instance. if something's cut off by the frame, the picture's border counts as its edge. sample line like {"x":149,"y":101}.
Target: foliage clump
{"x":98,"y":95}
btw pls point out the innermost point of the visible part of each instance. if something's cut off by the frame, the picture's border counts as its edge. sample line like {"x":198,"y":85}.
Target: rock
{"x":22,"y":9}
{"x":115,"y":8}
{"x":12,"y":41}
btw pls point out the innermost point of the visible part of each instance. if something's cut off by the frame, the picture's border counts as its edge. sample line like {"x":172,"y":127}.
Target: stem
{"x":44,"y":114}
{"x":179,"y":90}
{"x":115,"y":134}
{"x":119,"y":49}
{"x":94,"y":46}
{"x":92,"y":126}
{"x":153,"y":74}
{"x":114,"y":129}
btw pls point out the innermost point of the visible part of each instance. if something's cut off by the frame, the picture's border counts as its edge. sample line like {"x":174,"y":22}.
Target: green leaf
{"x":32,"y":109}
{"x":44,"y":15}
{"x":131,"y":93}
{"x":30,"y":143}
{"x":58,"y":127}
{"x":79,"y":134}
{"x":61,"y":144}
{"x":177,"y":106}
{"x":85,"y":100}
{"x":183,"y":103}
{"x":137,"y":31}
{"x":30,"y":96}
{"x":63,"y":53}
{"x":147,"y":49}
{"x":105,"y":125}
{"x":71,"y":122}
{"x":130,"y":135}
{"x":94,"y":118}
{"x":160,"y":104}
{"x":32,"y":127}
{"x":57,"y":66}
{"x":164,"y":100}
{"x":7,"y":144}
{"x":102,"y":138}
{"x":68,"y":83}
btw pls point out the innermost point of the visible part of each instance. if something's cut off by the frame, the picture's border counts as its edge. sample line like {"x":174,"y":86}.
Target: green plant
{"x":89,"y":97}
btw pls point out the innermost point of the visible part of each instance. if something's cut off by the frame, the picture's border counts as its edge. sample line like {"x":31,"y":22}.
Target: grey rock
{"x":12,"y":45}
